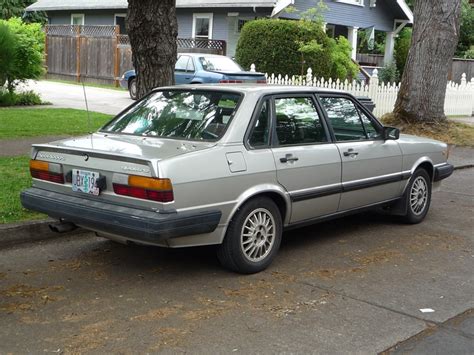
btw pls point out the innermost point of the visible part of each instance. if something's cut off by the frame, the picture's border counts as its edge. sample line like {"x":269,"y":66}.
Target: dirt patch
{"x":156,"y":314}
{"x":332,"y":273}
{"x":90,"y":337}
{"x":377,"y":257}
{"x":169,"y":337}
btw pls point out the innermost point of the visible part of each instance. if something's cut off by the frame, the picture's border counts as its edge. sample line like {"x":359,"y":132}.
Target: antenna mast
{"x":89,"y":128}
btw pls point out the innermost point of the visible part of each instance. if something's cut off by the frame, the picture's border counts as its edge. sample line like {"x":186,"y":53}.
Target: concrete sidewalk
{"x":63,"y":95}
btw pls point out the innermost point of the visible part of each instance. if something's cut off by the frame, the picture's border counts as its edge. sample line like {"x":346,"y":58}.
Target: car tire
{"x":253,"y":237}
{"x":132,"y":88}
{"x":417,"y":197}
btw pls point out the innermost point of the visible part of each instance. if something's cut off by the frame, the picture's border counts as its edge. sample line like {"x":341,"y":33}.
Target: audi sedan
{"x":200,"y":68}
{"x":233,"y":166}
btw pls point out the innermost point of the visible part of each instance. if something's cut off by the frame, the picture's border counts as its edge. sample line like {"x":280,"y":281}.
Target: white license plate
{"x":85,"y":181}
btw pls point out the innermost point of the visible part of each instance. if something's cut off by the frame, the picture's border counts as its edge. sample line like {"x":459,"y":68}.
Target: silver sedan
{"x":234,"y":166}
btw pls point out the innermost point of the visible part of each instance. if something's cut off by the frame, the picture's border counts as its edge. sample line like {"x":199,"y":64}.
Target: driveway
{"x":354,"y":285}
{"x":72,"y":96}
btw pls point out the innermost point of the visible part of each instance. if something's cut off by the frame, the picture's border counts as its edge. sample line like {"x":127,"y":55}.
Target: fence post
{"x":374,"y":84}
{"x":252,"y":67}
{"x":78,"y":52}
{"x":116,"y":56}
{"x":309,"y":76}
{"x":46,"y":49}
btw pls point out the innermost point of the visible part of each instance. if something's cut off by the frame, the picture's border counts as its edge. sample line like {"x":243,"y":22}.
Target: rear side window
{"x":260,"y":135}
{"x":298,"y":122}
{"x":182,"y":63}
{"x":347,"y":122}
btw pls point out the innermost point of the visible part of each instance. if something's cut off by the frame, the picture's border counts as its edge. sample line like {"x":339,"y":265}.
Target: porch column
{"x":352,"y":37}
{"x":389,"y":48}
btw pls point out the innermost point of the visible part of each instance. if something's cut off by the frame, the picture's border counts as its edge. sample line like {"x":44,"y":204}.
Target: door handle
{"x":287,"y":158}
{"x":350,"y":153}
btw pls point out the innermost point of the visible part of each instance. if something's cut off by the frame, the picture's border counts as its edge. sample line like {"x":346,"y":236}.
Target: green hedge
{"x":273,"y":46}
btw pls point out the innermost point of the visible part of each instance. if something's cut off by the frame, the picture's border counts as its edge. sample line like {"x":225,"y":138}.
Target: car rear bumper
{"x":443,"y":171}
{"x":140,"y":225}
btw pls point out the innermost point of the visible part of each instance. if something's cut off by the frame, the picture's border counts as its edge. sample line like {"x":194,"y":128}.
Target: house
{"x":223,"y":19}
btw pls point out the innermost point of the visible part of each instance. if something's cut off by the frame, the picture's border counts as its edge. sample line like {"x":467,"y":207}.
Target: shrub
{"x":285,"y":47}
{"x":389,"y":74}
{"x":7,"y":52}
{"x":29,"y":50}
{"x":342,"y":65}
{"x":402,"y":46}
{"x":26,"y":98}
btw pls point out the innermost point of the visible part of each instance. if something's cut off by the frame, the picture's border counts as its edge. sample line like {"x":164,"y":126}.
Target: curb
{"x":467,"y":166}
{"x":31,"y":231}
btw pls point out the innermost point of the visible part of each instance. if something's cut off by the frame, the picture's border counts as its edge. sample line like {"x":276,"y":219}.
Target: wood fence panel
{"x":66,"y":62}
{"x":125,"y":59}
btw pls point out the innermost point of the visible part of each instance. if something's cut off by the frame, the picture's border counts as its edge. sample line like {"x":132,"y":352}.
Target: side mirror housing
{"x":391,"y":133}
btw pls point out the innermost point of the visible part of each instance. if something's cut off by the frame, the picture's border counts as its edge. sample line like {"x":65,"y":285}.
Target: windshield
{"x":219,"y":64}
{"x":194,"y":115}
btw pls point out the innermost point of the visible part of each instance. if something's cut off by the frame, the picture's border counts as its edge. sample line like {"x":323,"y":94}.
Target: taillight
{"x":44,"y":170}
{"x":261,"y":81}
{"x":230,"y":81}
{"x":146,"y":188}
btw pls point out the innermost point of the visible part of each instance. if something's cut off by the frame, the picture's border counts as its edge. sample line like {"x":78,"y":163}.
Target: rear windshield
{"x":219,"y":64}
{"x":193,"y":115}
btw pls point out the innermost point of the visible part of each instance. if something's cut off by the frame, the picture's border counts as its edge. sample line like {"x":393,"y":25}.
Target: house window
{"x":352,"y":2}
{"x":77,"y":19}
{"x":202,"y":26}
{"x":119,"y":20}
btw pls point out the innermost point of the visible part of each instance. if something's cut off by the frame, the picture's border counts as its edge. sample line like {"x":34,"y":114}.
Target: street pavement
{"x":63,"y":95}
{"x":354,"y":285}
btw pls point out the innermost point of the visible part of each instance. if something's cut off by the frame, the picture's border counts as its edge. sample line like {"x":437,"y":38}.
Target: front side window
{"x":346,"y":121}
{"x":196,"y":115}
{"x":298,"y":121}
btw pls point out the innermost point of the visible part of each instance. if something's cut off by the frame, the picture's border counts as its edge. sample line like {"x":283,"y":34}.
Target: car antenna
{"x":87,"y":108}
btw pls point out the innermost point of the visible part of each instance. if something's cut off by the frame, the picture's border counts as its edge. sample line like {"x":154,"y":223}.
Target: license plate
{"x":85,"y":181}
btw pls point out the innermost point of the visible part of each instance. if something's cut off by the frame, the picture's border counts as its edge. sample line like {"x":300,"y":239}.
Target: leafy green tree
{"x":29,"y":51}
{"x":402,"y":46}
{"x":16,"y":8}
{"x":466,"y":34}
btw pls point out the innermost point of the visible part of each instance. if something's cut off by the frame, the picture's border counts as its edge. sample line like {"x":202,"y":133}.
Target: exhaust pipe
{"x":62,"y":227}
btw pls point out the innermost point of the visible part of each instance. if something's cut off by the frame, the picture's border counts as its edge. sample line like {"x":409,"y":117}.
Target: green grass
{"x":21,"y":122}
{"x":14,"y":177}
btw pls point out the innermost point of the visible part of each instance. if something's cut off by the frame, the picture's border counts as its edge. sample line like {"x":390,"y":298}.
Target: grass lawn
{"x":450,"y":132}
{"x":15,"y":177}
{"x":30,"y":122}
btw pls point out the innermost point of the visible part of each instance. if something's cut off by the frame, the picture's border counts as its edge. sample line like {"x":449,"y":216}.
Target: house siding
{"x":381,"y":16}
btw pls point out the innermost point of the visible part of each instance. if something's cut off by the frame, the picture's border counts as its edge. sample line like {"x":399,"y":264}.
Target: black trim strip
{"x":348,"y":186}
{"x":135,"y":223}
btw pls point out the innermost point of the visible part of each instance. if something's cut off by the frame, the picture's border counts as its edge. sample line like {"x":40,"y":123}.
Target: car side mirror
{"x":391,"y":133}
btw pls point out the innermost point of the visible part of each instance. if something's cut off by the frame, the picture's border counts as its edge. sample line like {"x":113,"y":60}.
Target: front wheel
{"x":417,"y":197}
{"x":253,"y":237}
{"x":132,"y":88}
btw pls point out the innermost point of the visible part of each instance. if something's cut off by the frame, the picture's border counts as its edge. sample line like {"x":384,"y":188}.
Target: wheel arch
{"x":424,"y":163}
{"x":276,"y":193}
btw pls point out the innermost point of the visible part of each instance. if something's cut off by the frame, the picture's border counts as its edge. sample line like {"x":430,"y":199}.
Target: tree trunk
{"x":435,"y":36}
{"x":153,"y":30}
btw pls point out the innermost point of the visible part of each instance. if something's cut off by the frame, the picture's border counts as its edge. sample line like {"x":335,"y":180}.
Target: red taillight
{"x":139,"y":192}
{"x":230,"y":81}
{"x":58,"y":178}
{"x":261,"y":81}
{"x":44,"y":170}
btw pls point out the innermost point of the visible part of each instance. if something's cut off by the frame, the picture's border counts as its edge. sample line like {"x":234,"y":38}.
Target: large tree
{"x":434,"y":39}
{"x":153,"y":30}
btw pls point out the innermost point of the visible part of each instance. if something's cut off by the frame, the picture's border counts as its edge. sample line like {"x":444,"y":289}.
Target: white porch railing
{"x":459,"y":97}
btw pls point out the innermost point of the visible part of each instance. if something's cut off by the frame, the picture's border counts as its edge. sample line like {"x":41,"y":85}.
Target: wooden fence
{"x":459,"y":97}
{"x":100,"y":53}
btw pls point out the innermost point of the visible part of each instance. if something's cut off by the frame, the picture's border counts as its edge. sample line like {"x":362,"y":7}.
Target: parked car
{"x":234,"y":166}
{"x":200,"y":68}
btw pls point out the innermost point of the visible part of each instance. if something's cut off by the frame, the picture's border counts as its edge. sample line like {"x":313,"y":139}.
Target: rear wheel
{"x":253,"y":237}
{"x":417,"y":197}
{"x":132,"y":88}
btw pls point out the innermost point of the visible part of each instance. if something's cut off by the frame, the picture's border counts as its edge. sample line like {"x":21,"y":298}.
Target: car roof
{"x":254,"y":88}
{"x":202,"y":55}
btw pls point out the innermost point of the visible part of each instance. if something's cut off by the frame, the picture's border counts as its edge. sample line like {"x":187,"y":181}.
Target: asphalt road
{"x":354,"y":285}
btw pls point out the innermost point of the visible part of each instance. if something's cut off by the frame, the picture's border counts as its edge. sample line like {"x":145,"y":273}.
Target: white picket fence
{"x":459,"y":97}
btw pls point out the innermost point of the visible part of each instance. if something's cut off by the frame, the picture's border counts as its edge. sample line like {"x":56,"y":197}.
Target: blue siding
{"x":96,"y":17}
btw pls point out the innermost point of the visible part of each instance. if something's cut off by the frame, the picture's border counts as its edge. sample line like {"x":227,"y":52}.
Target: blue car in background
{"x":200,"y":68}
